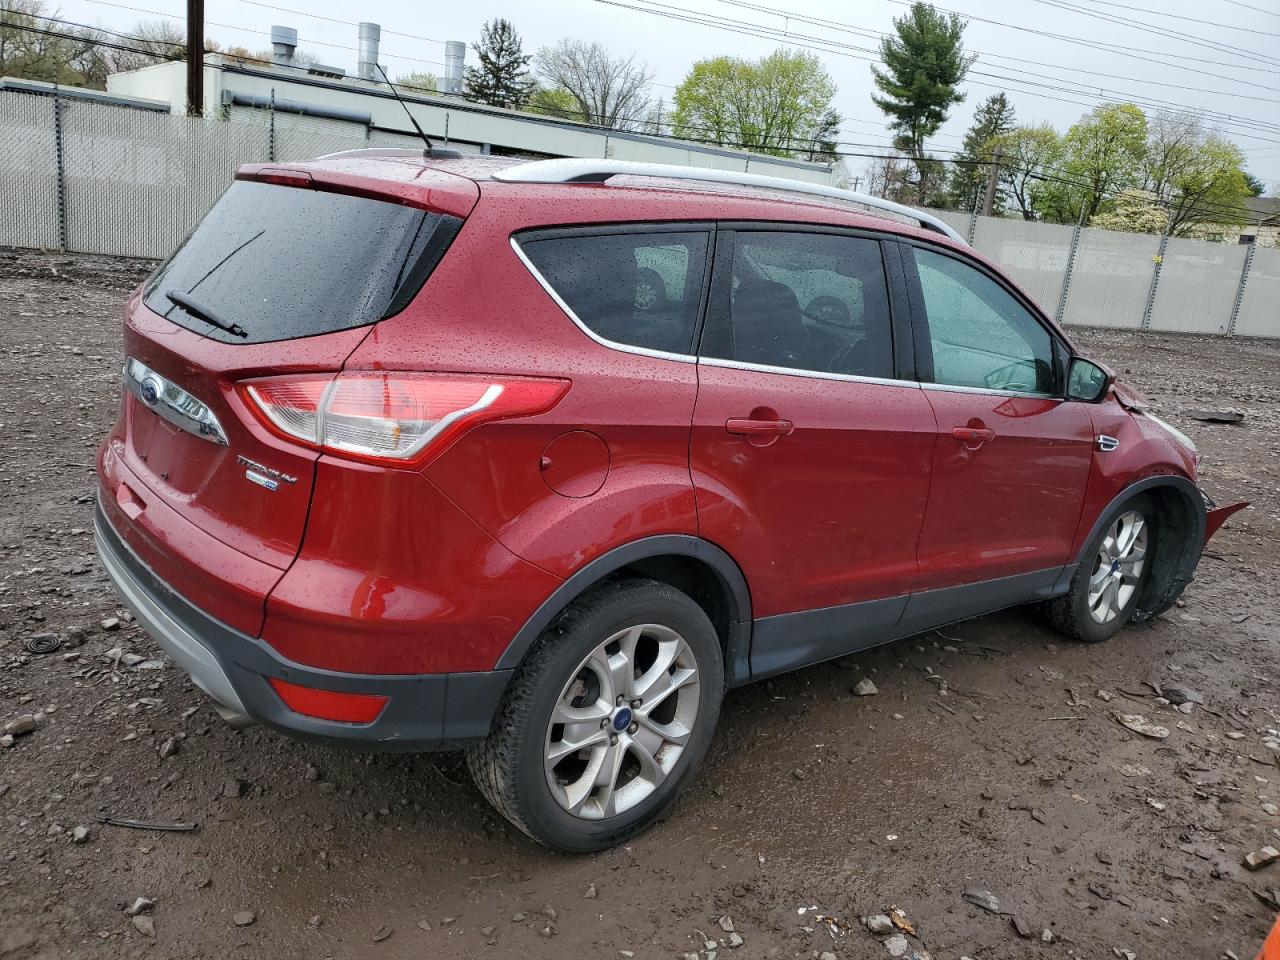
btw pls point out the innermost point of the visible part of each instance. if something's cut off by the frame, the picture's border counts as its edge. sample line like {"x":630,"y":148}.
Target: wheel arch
{"x":1180,"y":537}
{"x":691,"y":564}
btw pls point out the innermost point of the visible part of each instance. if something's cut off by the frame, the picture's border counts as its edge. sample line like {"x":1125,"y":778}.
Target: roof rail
{"x":600,"y":171}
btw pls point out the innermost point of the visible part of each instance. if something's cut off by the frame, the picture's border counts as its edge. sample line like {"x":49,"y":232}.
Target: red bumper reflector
{"x":328,"y":705}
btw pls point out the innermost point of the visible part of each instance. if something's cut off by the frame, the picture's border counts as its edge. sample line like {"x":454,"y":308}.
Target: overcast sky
{"x":1234,"y":46}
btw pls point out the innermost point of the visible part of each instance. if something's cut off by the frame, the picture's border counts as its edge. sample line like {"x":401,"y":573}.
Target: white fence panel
{"x":1111,"y":279}
{"x":305,"y":138}
{"x":28,"y":172}
{"x":1198,"y":283}
{"x":138,"y":182}
{"x":1260,"y":309}
{"x":1033,"y":254}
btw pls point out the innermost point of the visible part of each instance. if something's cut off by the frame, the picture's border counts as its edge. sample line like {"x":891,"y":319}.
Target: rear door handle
{"x":973,"y":435}
{"x":745,"y":427}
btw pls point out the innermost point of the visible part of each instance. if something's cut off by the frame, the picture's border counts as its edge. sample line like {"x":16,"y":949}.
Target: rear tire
{"x":584,"y":683}
{"x":1110,"y":579}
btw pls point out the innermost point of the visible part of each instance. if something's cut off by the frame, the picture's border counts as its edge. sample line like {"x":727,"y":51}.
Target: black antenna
{"x":425,"y":139}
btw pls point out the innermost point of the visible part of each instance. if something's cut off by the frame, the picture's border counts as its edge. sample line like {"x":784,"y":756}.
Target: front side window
{"x":638,"y":289}
{"x":981,"y":335}
{"x":806,"y":301}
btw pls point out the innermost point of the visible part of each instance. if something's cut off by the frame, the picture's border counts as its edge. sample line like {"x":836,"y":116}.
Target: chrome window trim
{"x":991,"y":391}
{"x":804,"y":372}
{"x":603,"y":341}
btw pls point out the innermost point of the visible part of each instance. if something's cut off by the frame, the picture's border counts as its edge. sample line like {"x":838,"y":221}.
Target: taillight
{"x":392,"y":417}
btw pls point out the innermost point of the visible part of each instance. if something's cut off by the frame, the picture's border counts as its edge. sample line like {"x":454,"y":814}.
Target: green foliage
{"x":1256,"y":187}
{"x":1026,"y":154}
{"x":1100,"y":155}
{"x":1197,"y":175}
{"x":418,"y":81}
{"x":502,"y":79}
{"x":924,"y":64}
{"x":553,"y":102}
{"x":992,"y":120}
{"x":1134,"y":211}
{"x":780,"y":104}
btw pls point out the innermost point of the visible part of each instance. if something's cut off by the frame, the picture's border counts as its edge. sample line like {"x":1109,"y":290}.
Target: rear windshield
{"x":272,"y":262}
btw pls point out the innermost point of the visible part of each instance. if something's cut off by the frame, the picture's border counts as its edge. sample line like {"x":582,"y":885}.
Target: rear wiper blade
{"x":202,"y":312}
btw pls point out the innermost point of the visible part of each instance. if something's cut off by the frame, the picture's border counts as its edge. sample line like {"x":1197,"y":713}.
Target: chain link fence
{"x":97,"y":178}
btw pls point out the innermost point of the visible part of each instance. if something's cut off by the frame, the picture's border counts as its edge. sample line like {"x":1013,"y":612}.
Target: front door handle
{"x":746,"y":427}
{"x":973,"y":437}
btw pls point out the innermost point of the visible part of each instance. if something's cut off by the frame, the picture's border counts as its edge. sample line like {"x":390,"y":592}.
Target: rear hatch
{"x":280,"y":278}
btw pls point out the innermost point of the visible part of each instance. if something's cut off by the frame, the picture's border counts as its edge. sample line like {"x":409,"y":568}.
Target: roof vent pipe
{"x":455,"y":53}
{"x":370,"y":33}
{"x":284,"y":41}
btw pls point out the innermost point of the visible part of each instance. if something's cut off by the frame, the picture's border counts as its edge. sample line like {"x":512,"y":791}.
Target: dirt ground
{"x":990,"y":760}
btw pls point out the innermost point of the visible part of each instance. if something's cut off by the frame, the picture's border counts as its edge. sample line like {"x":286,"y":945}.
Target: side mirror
{"x":1088,"y":381}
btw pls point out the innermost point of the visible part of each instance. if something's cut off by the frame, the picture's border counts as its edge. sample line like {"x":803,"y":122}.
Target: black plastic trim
{"x":792,"y":640}
{"x":1158,"y":595}
{"x":423,"y":712}
{"x":736,"y":666}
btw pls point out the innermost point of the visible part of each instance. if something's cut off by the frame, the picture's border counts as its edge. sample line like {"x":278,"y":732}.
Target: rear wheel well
{"x":698,"y":580}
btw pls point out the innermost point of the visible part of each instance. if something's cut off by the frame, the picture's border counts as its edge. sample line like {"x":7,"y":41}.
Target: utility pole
{"x":989,"y":202}
{"x":195,"y":58}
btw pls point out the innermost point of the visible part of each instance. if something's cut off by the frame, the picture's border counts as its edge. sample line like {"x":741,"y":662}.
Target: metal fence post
{"x":1066,"y":277}
{"x":973,"y":223}
{"x":1244,"y":280}
{"x":271,"y":128}
{"x":61,"y":163}
{"x":1155,"y":280}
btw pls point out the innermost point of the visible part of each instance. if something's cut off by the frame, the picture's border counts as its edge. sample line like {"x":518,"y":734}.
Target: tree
{"x":1196,"y":174}
{"x":826,"y":142}
{"x":607,"y":91}
{"x":1026,"y":153}
{"x":1101,"y":154}
{"x":1256,"y":187}
{"x":779,"y":104}
{"x":154,"y":41}
{"x":992,"y":120}
{"x":1134,"y":211}
{"x":924,"y":63}
{"x":419,"y":81}
{"x":502,"y":79}
{"x":553,"y":102}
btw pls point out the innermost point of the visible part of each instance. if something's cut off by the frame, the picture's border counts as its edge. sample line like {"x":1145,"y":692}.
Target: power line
{"x":265,"y":33}
{"x":1248,"y":6}
{"x":1162,"y":32}
{"x":837,"y":48}
{"x":349,"y":23}
{"x":1177,"y":16}
{"x":878,"y":34}
{"x":1044,"y":175}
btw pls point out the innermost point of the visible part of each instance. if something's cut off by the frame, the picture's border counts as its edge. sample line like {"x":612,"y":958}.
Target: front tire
{"x":1110,"y":579}
{"x":607,"y":718}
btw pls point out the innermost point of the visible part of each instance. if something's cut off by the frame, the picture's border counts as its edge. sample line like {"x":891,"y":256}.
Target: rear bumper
{"x":423,"y":712}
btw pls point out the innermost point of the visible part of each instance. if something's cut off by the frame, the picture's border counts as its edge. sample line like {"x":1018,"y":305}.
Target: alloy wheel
{"x":621,"y":723}
{"x":1118,"y":567}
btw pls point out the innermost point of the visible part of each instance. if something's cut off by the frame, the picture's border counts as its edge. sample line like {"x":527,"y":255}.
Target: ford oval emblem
{"x":150,"y":390}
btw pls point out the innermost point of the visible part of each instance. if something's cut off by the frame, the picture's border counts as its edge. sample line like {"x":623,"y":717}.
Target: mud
{"x":990,"y":759}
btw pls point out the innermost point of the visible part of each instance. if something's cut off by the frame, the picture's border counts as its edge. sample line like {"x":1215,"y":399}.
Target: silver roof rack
{"x":600,"y":171}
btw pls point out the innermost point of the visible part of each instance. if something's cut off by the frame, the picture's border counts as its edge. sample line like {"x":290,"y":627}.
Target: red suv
{"x":538,"y":459}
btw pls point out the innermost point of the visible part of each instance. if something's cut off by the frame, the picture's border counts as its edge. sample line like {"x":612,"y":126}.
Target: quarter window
{"x":981,"y":336}
{"x":639,"y":289}
{"x":807,"y":301}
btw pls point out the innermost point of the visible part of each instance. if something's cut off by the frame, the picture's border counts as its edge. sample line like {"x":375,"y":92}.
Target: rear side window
{"x":637,"y":289}
{"x":806,"y":301}
{"x":276,"y":263}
